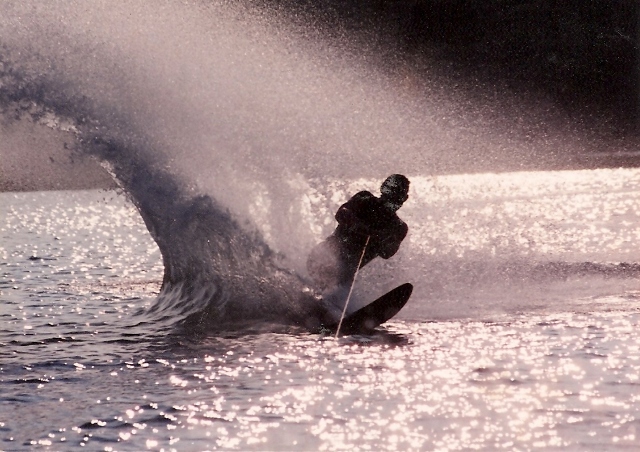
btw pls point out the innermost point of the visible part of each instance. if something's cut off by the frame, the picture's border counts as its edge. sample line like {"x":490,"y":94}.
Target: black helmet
{"x":395,"y":187}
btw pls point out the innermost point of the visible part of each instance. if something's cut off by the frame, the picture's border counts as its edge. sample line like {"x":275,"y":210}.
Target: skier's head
{"x":395,"y":190}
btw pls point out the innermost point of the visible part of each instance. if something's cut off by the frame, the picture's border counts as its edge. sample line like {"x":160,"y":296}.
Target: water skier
{"x":368,"y":227}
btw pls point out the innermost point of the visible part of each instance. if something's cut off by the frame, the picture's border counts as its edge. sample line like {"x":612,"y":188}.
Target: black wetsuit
{"x":334,"y":261}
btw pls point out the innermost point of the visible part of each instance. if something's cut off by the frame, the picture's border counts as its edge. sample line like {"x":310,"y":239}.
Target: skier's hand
{"x":363,"y":229}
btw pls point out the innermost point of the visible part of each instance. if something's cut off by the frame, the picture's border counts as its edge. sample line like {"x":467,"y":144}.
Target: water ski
{"x":366,"y":319}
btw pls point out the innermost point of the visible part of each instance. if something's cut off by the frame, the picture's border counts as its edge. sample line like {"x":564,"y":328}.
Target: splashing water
{"x":229,"y":127}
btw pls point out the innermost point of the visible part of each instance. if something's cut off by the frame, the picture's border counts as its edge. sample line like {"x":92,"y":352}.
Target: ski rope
{"x":346,"y":303}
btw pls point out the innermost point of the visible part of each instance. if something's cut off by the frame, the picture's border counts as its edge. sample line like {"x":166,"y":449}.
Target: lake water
{"x":522,"y":333}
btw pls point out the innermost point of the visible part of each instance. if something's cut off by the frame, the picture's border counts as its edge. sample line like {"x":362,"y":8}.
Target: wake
{"x":216,"y":273}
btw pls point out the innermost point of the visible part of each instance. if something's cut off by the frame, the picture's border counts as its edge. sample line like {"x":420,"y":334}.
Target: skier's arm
{"x":388,"y":244}
{"x":347,"y":214}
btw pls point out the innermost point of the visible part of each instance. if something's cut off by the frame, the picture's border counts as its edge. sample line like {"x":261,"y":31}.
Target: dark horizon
{"x":584,"y":56}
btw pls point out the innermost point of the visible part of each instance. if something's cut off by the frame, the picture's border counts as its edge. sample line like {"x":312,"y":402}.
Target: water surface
{"x":522,"y":333}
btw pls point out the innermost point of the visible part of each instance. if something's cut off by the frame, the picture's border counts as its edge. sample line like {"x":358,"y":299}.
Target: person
{"x":366,"y":224}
